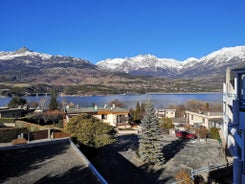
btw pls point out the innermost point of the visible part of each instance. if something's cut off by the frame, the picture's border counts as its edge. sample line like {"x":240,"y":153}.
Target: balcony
{"x":229,"y":97}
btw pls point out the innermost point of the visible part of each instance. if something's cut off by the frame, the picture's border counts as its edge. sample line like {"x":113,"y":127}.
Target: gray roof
{"x":49,"y":163}
{"x":97,"y":110}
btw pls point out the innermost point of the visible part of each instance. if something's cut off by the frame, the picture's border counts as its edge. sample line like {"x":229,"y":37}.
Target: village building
{"x":168,"y":113}
{"x":11,"y":112}
{"x":206,"y":119}
{"x":114,"y":116}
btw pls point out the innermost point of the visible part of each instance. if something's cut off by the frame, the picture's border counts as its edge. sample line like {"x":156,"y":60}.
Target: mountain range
{"x":25,"y":71}
{"x":212,"y":65}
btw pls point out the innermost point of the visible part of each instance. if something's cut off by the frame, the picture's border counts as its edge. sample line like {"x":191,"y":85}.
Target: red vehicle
{"x":185,"y":135}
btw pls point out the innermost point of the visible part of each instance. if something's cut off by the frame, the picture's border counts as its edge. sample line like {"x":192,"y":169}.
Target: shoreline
{"x":133,"y":94}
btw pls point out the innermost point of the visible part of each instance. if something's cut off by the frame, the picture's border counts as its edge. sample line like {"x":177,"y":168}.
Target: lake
{"x":159,"y":100}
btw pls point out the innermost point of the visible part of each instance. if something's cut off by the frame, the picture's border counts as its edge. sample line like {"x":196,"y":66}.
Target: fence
{"x":37,"y":135}
{"x":8,"y":134}
{"x":57,"y":135}
{"x":207,"y":169}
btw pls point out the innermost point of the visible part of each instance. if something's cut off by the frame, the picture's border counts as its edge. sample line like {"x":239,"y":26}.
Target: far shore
{"x":153,"y":93}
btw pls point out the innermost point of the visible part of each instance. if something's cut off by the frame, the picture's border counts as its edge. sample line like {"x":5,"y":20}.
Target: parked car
{"x":185,"y":135}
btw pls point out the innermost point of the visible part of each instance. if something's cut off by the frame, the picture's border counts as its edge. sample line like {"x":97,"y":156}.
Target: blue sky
{"x":100,"y":29}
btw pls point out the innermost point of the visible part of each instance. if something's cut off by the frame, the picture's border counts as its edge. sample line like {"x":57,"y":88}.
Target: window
{"x":103,"y":116}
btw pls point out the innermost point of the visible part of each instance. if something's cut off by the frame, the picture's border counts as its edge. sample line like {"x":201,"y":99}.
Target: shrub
{"x":183,"y":177}
{"x":214,"y":133}
{"x":202,"y":132}
{"x":166,"y":124}
{"x":19,"y":141}
{"x":90,"y":131}
{"x":29,"y":126}
{"x":60,"y":124}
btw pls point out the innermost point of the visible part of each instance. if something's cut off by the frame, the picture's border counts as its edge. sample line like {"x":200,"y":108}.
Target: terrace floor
{"x":53,"y":163}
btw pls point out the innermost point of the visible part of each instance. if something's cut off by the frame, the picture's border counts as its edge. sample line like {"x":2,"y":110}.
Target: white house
{"x":112,"y":115}
{"x":207,"y":119}
{"x":169,"y":113}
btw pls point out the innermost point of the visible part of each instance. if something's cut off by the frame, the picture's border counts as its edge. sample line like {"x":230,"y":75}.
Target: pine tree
{"x":16,"y":101}
{"x":137,"y":112}
{"x":150,"y":147}
{"x":53,"y":103}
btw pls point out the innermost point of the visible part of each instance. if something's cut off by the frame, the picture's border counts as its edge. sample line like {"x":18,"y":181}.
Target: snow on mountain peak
{"x":139,"y":62}
{"x":150,"y":62}
{"x":21,"y":53}
{"x":111,"y":63}
{"x":227,"y":52}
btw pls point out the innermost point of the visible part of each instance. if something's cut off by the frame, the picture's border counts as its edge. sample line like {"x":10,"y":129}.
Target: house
{"x":6,"y":112}
{"x":11,"y":112}
{"x":114,"y":116}
{"x":169,"y":113}
{"x":207,"y":119}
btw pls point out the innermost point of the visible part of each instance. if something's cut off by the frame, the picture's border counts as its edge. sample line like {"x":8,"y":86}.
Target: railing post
{"x":192,"y":174}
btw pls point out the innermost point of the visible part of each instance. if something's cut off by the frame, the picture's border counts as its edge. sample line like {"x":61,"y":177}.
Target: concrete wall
{"x":108,"y":118}
{"x":169,"y":113}
{"x":111,"y":119}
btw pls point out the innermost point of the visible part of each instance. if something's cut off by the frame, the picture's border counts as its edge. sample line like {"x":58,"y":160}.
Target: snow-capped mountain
{"x":22,"y":53}
{"x":148,"y":64}
{"x":51,"y":71}
{"x":28,"y":56}
{"x":214,"y":63}
{"x":25,"y":65}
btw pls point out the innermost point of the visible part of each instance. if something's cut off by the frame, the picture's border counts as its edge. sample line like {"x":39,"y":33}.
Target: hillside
{"x":27,"y":72}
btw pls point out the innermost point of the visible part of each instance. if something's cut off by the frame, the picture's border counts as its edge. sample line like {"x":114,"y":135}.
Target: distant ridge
{"x":40,"y":72}
{"x":148,"y":64}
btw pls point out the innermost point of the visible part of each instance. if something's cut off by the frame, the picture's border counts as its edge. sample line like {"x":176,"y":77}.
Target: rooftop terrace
{"x":57,"y":162}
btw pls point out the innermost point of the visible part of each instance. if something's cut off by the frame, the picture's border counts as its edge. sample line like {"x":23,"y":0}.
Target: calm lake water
{"x":159,"y":100}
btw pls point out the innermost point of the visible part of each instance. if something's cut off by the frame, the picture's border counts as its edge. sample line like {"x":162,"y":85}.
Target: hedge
{"x":7,"y":120}
{"x":8,"y":134}
{"x":29,"y":126}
